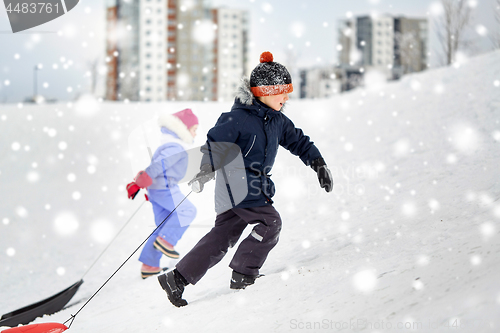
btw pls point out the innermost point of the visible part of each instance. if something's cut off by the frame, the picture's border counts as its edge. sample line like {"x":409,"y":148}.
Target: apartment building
{"x":393,"y":45}
{"x":174,"y":50}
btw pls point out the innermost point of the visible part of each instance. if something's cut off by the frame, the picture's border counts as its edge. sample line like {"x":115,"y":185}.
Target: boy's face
{"x":275,"y":102}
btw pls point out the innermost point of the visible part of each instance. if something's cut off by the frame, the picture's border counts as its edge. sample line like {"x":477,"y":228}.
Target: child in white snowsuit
{"x":258,"y":127}
{"x":168,"y":166}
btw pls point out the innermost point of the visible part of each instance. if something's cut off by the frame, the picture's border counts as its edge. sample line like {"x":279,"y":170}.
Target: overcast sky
{"x":300,"y":33}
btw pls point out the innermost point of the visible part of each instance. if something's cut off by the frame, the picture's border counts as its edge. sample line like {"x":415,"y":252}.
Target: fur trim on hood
{"x":176,"y":125}
{"x":244,"y":94}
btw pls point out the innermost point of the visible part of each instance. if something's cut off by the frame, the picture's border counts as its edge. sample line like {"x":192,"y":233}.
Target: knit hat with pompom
{"x":270,"y":78}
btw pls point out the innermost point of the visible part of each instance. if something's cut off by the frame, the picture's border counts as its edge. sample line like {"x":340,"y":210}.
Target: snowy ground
{"x":408,"y":241}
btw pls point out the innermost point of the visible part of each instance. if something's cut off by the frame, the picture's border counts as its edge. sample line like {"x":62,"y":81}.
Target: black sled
{"x":48,"y":306}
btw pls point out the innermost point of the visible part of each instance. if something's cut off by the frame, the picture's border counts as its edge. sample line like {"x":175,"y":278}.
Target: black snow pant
{"x":252,"y":251}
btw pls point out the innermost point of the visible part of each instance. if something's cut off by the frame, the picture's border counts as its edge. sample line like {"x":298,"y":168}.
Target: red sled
{"x":38,"y":328}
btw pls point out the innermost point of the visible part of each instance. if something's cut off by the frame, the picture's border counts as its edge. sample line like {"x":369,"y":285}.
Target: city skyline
{"x":298,"y":33}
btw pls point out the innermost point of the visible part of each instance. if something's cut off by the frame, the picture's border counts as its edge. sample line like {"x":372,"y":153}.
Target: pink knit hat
{"x":187,"y":117}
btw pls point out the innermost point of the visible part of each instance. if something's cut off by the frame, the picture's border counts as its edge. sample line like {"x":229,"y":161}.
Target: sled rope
{"x":99,"y":257}
{"x":126,"y":260}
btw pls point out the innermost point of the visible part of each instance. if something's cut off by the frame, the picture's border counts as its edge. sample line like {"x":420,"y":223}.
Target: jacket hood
{"x":175,"y":125}
{"x":244,"y":94}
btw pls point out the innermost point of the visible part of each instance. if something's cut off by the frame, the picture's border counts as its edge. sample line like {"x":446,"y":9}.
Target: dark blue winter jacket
{"x":258,"y":131}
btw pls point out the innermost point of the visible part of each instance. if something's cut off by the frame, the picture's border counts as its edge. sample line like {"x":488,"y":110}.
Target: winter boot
{"x":165,"y":247}
{"x":147,"y":271}
{"x":173,"y":283}
{"x":241,"y":281}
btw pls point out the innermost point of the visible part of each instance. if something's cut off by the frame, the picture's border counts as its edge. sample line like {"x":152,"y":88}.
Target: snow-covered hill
{"x":408,"y":240}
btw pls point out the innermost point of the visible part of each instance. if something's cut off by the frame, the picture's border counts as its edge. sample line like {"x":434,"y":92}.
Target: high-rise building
{"x":319,"y":82}
{"x":393,"y":45}
{"x":375,"y":42}
{"x":174,"y":50}
{"x":191,"y":43}
{"x":230,"y":51}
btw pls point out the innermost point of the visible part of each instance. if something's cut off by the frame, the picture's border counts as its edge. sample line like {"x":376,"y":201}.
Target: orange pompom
{"x":266,"y":57}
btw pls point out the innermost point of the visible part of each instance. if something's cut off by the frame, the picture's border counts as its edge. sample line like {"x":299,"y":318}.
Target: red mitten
{"x":143,"y":180}
{"x":132,"y":190}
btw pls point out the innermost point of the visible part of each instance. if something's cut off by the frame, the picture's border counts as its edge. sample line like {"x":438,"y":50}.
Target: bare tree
{"x":456,"y":18}
{"x":92,"y":72}
{"x":495,"y":36}
{"x":408,"y":52}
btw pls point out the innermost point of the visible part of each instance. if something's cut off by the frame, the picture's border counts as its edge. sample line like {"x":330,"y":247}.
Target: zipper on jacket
{"x":254,"y":137}
{"x":265,"y":132}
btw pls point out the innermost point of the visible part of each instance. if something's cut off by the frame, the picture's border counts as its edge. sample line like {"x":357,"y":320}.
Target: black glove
{"x":205,"y":175}
{"x":324,"y":175}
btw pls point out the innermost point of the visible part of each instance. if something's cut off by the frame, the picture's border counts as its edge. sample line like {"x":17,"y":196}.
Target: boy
{"x":257,"y":125}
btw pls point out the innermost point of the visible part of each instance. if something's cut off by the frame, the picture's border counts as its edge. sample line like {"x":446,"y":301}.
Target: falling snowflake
{"x":71,"y":177}
{"x":204,"y":32}
{"x":61,"y":271}
{"x":168,"y":322}
{"x":487,"y":230}
{"x":62,"y":145}
{"x":21,"y":211}
{"x":401,"y":148}
{"x":481,"y":30}
{"x":348,"y":146}
{"x":496,"y":135}
{"x":86,"y":106}
{"x":15,"y":146}
{"x":297,"y":29}
{"x":345,"y":216}
{"x":91,"y":169}
{"x":475,"y":260}
{"x":434,"y":204}
{"x":409,"y":209}
{"x":417,"y":285}
{"x":102,"y":231}
{"x":66,"y":224}
{"x":439,"y":89}
{"x":365,"y":281}
{"x":33,"y":177}
{"x":465,"y":138}
{"x":451,"y":159}
{"x":51,"y":132}
{"x":496,"y":211}
{"x":423,"y":260}
{"x":267,"y":8}
{"x":11,"y":252}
